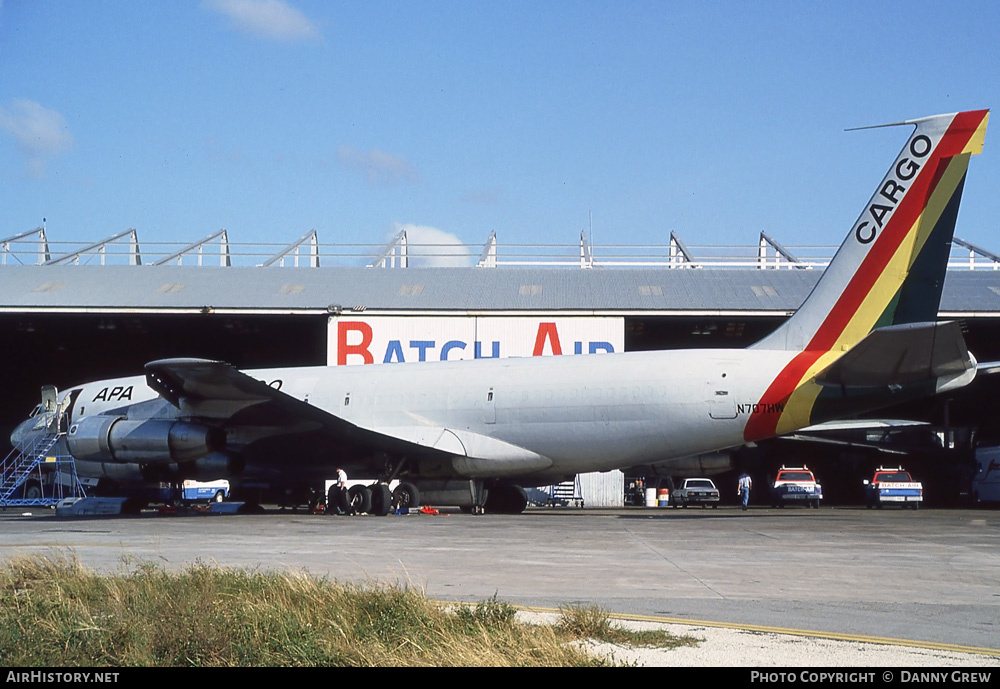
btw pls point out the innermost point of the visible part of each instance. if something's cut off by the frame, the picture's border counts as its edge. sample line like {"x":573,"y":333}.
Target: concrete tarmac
{"x":926,"y":575}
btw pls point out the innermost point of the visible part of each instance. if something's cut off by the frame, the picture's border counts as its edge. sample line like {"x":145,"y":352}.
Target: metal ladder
{"x":55,"y":473}
{"x":566,"y":493}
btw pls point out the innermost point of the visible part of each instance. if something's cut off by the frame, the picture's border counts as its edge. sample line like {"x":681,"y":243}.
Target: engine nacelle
{"x":706,"y":464}
{"x":111,"y":471}
{"x":156,"y":441}
{"x":214,"y":466}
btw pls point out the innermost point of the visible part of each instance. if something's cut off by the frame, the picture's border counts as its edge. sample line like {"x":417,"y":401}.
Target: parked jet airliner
{"x":866,"y":337}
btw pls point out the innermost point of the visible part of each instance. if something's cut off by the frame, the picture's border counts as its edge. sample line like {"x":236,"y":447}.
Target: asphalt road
{"x":927,"y":575}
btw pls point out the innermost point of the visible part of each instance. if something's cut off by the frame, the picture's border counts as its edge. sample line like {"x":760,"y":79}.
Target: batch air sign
{"x":401,"y":339}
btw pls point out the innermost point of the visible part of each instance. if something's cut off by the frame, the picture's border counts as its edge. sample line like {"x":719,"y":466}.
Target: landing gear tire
{"x":406,"y":496}
{"x":506,"y":498}
{"x":32,"y":490}
{"x":381,"y":500}
{"x":359,"y":500}
{"x":336,"y":501}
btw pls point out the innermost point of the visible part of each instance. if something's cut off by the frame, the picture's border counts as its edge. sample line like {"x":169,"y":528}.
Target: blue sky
{"x":272,"y":117}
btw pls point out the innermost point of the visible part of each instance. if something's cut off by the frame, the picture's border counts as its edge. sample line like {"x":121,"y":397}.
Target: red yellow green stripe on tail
{"x":889,"y":270}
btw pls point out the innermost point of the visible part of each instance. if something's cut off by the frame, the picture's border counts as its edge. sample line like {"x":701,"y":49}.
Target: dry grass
{"x":594,"y":624}
{"x":53,"y":612}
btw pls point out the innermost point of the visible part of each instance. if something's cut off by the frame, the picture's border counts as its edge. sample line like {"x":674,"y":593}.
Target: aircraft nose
{"x":21,"y":431}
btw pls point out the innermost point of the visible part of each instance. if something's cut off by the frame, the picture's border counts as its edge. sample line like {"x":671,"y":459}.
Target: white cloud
{"x":273,"y":20}
{"x":429,"y":247}
{"x":378,"y":167}
{"x":39,"y":133}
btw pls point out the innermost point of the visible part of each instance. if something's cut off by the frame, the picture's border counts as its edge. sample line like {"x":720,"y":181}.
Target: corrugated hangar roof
{"x":250,"y":289}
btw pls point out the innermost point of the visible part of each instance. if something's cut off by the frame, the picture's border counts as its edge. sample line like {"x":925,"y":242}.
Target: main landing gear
{"x":375,"y":499}
{"x":499,"y":498}
{"x":505,"y":498}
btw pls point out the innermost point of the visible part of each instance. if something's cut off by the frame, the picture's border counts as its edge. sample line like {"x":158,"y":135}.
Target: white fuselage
{"x":515,"y":416}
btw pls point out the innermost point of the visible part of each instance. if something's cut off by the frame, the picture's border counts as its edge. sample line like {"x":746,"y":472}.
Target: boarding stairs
{"x":566,"y":493}
{"x":35,"y":474}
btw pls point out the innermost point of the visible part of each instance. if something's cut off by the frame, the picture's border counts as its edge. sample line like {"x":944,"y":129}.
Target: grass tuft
{"x":492,"y":614}
{"x":593,"y":623}
{"x":55,"y":613}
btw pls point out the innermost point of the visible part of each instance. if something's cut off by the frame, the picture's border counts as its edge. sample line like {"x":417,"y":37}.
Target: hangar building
{"x":90,"y":313}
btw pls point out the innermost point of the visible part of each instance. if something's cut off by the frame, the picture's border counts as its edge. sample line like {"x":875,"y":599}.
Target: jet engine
{"x":158,"y":441}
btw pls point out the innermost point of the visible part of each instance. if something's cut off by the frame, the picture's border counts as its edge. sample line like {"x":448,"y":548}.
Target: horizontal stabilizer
{"x":862,"y":425}
{"x":988,"y":368}
{"x":901,"y":354}
{"x":821,"y":440}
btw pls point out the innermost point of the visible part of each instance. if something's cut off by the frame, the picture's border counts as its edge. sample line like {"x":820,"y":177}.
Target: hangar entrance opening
{"x":69,"y":349}
{"x":646,"y":333}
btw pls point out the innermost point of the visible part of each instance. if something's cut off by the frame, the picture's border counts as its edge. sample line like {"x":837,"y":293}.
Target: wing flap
{"x":474,"y":454}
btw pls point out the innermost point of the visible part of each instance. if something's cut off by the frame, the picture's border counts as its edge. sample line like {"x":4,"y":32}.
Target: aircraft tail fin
{"x":888,"y":272}
{"x":890,"y":269}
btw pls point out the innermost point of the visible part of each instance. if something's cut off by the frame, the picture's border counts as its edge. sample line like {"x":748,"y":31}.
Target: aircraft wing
{"x":201,"y":379}
{"x":898,"y":355}
{"x":216,"y":390}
